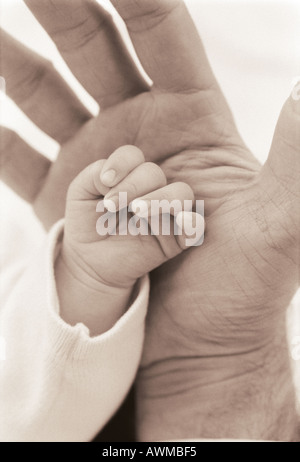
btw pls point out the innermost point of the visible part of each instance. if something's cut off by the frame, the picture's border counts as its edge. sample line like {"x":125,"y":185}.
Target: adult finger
{"x":38,"y":89}
{"x":90,"y":43}
{"x":95,"y":141}
{"x":167,"y":43}
{"x":22,"y":168}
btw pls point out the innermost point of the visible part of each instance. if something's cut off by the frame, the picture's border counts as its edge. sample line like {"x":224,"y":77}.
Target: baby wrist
{"x":84,"y":299}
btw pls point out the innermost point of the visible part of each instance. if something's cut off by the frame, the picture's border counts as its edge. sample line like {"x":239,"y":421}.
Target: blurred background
{"x":253,"y":46}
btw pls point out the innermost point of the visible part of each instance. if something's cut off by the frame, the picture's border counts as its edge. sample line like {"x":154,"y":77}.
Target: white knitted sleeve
{"x":56,"y":382}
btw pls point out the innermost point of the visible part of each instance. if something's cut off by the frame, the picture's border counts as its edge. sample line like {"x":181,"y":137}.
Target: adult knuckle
{"x":148,"y":14}
{"x":32,"y":80}
{"x":78,"y":34}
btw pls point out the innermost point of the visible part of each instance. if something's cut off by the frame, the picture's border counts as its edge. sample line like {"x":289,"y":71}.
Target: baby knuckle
{"x":131,"y":189}
{"x":137,"y":152}
{"x":155,"y":171}
{"x":185,"y":190}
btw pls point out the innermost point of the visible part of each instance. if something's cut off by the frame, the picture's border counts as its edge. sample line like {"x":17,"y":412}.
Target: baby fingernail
{"x":111,"y":203}
{"x":109,"y":177}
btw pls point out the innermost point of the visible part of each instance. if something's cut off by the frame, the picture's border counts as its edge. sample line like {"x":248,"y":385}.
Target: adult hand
{"x":91,"y":45}
{"x":214,"y":362}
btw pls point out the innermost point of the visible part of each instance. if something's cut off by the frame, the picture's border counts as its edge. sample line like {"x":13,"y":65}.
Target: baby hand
{"x":108,"y":251}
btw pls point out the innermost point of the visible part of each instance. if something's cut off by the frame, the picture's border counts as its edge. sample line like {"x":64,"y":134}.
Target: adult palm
{"x":218,"y":312}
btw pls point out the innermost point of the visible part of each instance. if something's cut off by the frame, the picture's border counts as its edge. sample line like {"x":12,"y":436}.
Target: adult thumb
{"x":281,"y":173}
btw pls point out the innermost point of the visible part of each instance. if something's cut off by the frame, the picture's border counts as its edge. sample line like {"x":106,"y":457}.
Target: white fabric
{"x":57,"y":383}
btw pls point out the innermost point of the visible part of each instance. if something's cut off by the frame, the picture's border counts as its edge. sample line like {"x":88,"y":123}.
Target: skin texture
{"x":215,"y":362}
{"x":108,"y":282}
